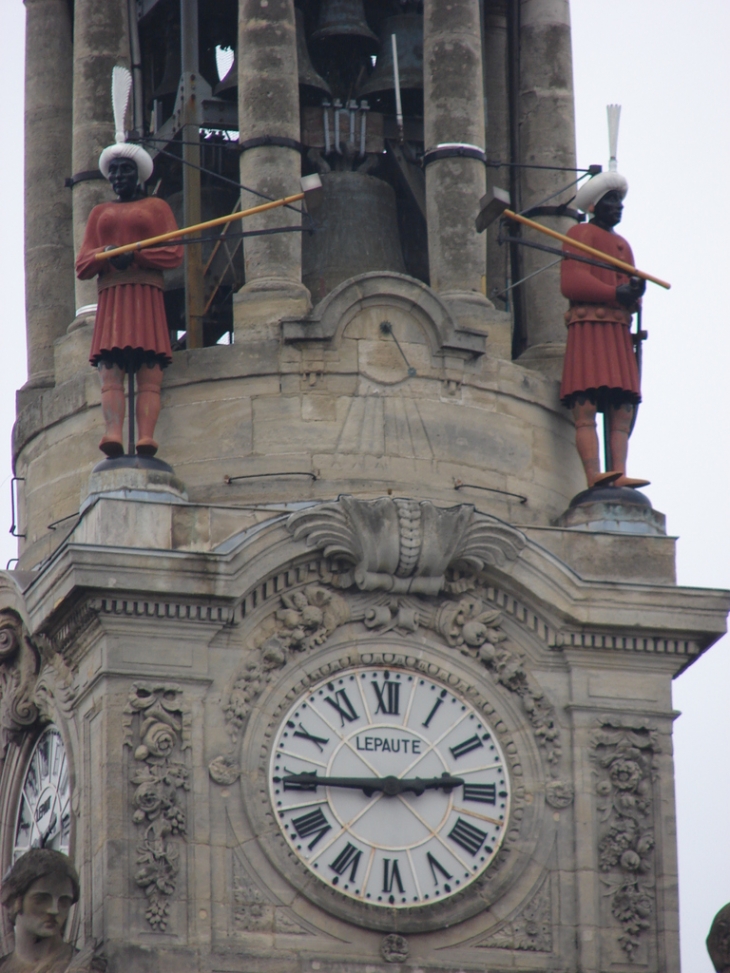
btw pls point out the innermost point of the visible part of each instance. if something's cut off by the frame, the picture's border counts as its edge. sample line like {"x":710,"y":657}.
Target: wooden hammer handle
{"x":175,"y":234}
{"x":605,"y":257}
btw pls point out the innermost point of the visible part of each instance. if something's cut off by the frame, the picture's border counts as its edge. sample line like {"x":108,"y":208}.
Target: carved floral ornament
{"x":396,"y":552}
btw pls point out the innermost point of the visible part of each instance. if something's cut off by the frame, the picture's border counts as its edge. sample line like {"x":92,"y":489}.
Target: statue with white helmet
{"x":600,"y":371}
{"x":130,"y":332}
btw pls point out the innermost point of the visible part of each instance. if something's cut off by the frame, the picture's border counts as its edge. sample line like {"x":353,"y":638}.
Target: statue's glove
{"x":122,"y":261}
{"x":628,"y":294}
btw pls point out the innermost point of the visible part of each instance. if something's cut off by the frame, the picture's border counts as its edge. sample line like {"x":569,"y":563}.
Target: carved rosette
{"x":157,"y":728}
{"x":624,"y":756}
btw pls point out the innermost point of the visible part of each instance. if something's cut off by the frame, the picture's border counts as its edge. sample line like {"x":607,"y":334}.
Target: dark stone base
{"x":135,"y":462}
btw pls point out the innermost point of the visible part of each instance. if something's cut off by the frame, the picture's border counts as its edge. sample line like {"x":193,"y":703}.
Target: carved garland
{"x":157,"y":727}
{"x":625,"y":758}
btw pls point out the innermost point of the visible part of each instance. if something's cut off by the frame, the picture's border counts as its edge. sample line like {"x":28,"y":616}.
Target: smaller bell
{"x":379,"y":88}
{"x":345,"y":19}
{"x":173,"y":68}
{"x":312,"y":88}
{"x":227,"y":87}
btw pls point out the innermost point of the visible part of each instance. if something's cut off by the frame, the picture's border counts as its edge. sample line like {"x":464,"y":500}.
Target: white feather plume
{"x":614,"y":115}
{"x":121,"y":87}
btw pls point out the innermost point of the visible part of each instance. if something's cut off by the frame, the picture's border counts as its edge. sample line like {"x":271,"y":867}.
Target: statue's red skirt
{"x":131,"y":316}
{"x":600,"y":356}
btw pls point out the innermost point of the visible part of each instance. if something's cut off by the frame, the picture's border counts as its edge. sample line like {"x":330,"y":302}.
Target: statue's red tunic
{"x":599,"y":353}
{"x":131,"y":310}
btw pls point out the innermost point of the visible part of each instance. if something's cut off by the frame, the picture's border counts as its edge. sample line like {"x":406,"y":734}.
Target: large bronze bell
{"x":167,"y":88}
{"x":312,"y":88}
{"x":379,"y":88}
{"x":345,"y":19}
{"x":227,"y":88}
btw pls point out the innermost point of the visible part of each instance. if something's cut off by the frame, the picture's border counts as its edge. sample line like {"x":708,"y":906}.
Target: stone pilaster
{"x":268,"y":105}
{"x":49,"y":292}
{"x":454,"y":113}
{"x":547,"y":137}
{"x":100,"y":42}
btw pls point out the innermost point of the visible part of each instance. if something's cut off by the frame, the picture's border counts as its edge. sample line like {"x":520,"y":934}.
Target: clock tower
{"x":354,"y":675}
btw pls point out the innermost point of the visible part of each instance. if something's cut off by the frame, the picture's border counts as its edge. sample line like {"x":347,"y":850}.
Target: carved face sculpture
{"x":609,"y":209}
{"x":45,"y":907}
{"x":123,"y":176}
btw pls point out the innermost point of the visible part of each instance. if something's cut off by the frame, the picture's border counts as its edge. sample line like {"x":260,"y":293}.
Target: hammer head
{"x":312,"y":189}
{"x":491,"y":207}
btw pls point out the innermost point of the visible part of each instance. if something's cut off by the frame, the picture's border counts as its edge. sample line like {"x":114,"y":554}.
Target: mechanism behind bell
{"x":379,"y":88}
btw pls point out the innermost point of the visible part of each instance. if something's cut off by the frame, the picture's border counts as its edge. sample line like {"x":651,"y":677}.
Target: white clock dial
{"x":44,"y":816}
{"x":389,"y":787}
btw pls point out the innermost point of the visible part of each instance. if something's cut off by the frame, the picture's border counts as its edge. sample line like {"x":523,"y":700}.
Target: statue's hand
{"x":629,"y":294}
{"x":122,"y":261}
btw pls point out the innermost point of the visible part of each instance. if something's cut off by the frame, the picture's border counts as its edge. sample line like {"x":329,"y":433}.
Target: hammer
{"x":311,"y":192}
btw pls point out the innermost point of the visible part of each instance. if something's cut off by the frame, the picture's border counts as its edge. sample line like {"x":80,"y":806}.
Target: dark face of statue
{"x":608,"y":210}
{"x":123,"y":177}
{"x":45,"y":907}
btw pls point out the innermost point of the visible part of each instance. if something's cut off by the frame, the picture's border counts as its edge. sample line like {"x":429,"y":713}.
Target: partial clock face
{"x":389,"y":788}
{"x":44,"y":817}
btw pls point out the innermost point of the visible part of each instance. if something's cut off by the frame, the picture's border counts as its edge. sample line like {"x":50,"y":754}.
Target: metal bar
{"x":593,"y":170}
{"x":546,"y":249}
{"x":460,"y":485}
{"x":255,"y":476}
{"x":13,"y":525}
{"x":529,"y":277}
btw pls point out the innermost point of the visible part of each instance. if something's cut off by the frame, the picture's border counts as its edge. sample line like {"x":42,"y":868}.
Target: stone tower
{"x":349,"y":691}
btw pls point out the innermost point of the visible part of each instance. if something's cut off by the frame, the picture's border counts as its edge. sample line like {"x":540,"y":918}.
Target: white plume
{"x":614,"y":115}
{"x":121,"y":86}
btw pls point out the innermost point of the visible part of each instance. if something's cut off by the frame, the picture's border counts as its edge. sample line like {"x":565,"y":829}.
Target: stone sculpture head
{"x":123,"y":176}
{"x":38,"y":892}
{"x":608,"y":210}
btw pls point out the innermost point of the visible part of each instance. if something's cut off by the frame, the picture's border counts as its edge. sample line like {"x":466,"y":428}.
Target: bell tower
{"x":346,"y":681}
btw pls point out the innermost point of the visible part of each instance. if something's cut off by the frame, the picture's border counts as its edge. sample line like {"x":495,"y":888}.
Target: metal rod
{"x":254,"y":476}
{"x":627,"y":268}
{"x":547,"y":199}
{"x":529,"y":276}
{"x":460,"y":485}
{"x":14,"y":525}
{"x":396,"y":80}
{"x":594,"y":170}
{"x":546,"y":249}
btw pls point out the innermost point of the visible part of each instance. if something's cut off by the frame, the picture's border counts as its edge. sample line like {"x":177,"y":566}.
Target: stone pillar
{"x":547,"y":137}
{"x":454,"y":112}
{"x":49,"y":291}
{"x":100,"y":42}
{"x":496,"y":90}
{"x":268,"y":105}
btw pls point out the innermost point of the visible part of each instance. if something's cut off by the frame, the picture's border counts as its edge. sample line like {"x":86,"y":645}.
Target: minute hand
{"x":390,"y":786}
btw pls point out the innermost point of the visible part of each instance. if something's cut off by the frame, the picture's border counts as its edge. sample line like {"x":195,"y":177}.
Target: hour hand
{"x":389,"y":786}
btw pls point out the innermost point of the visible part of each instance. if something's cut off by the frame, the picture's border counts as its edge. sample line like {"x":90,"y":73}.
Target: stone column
{"x":49,"y":291}
{"x":100,"y":42}
{"x":547,"y":137}
{"x":454,"y":112}
{"x":496,"y":90}
{"x":268,"y":105}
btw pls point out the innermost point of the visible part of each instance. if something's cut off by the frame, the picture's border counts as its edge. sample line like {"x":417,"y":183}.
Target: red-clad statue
{"x":131,"y":325}
{"x":600,"y":372}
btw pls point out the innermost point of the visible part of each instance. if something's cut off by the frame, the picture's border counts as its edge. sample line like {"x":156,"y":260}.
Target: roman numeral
{"x":466,"y":835}
{"x":342,"y":704}
{"x":483,"y":793}
{"x":391,"y":873}
{"x":388,"y":696}
{"x":305,"y":735}
{"x":349,"y":857}
{"x":437,"y":866}
{"x":436,"y":705}
{"x":473,"y":743}
{"x":312,"y":823}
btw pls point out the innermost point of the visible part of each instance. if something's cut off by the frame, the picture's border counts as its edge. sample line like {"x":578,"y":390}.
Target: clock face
{"x":44,"y":817}
{"x":389,"y":787}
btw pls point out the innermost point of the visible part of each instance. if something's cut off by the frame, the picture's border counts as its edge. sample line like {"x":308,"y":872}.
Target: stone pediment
{"x":405,"y":546}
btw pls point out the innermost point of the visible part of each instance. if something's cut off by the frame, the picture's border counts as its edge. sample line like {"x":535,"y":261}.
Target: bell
{"x":227,"y":87}
{"x":379,"y":88}
{"x":312,"y":88}
{"x":173,"y":68}
{"x":345,"y":18}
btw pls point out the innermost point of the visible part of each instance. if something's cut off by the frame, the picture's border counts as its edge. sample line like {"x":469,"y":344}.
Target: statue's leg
{"x":586,"y":438}
{"x":112,"y":408}
{"x":149,"y":381}
{"x":619,"y":427}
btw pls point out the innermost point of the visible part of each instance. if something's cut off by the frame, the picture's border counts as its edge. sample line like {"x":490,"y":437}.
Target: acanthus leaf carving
{"x":624,"y":755}
{"x":20,"y":664}
{"x":157,"y":726}
{"x":403,"y":545}
{"x":530,"y":929}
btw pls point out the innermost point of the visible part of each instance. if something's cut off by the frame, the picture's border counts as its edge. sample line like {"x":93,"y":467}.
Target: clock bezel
{"x":521,"y":756}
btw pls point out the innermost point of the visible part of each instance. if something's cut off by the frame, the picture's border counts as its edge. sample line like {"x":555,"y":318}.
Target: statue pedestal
{"x":134,"y":478}
{"x":620,"y":509}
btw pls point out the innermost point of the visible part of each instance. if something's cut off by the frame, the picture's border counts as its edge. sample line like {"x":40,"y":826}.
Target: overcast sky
{"x":667,"y":63}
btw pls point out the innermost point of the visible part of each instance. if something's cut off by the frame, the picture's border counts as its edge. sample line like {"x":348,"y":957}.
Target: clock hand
{"x":390,"y":786}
